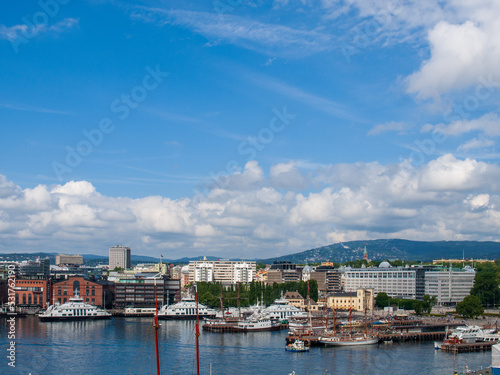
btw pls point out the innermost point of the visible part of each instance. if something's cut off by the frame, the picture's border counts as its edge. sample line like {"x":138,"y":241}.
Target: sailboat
{"x":351,"y":339}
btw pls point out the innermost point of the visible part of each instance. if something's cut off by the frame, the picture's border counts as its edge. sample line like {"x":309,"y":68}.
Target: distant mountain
{"x":394,"y":249}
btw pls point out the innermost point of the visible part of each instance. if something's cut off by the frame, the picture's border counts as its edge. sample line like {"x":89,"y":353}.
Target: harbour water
{"x":126,"y":346}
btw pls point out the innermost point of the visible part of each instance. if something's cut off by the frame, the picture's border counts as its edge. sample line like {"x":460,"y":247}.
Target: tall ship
{"x":186,"y":309}
{"x":75,"y":309}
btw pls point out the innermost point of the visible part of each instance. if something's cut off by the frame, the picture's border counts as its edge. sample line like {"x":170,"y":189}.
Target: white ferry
{"x":139,"y":311}
{"x":281,"y":310}
{"x":75,"y":309}
{"x":258,"y":323}
{"x":186,"y":309}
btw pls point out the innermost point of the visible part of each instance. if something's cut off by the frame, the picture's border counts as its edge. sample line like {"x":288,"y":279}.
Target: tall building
{"x":225,"y":271}
{"x":328,"y":278}
{"x":69,"y":259}
{"x":119,"y":256}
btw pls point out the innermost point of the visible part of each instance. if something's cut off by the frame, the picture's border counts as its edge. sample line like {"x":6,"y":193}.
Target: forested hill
{"x":395,"y":249}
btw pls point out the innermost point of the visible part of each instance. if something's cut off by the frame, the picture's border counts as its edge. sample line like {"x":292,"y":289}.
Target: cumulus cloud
{"x":463,"y":51}
{"x":446,"y":198}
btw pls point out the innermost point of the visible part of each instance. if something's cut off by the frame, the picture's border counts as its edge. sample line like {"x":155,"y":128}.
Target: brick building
{"x":32,"y":292}
{"x":92,"y":292}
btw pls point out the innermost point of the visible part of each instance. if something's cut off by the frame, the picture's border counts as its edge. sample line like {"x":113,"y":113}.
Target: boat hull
{"x":350,"y":342}
{"x":71,"y":318}
{"x":258,"y":329}
{"x":183,"y":317}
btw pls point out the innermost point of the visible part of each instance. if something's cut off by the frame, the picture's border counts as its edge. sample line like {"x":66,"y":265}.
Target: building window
{"x":76,"y":288}
{"x":65,"y":292}
{"x":59,"y":291}
{"x":24,"y":299}
{"x":29,"y":299}
{"x":93,"y":292}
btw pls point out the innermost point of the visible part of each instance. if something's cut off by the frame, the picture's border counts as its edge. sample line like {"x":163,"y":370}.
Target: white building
{"x":449,"y":285}
{"x":225,"y":271}
{"x":119,"y":256}
{"x":397,"y":282}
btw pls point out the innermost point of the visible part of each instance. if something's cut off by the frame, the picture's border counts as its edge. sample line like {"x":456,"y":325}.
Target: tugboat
{"x":75,"y":309}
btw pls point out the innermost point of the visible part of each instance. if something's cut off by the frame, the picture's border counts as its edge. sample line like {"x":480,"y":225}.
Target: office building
{"x":69,"y":259}
{"x":119,"y":257}
{"x":397,"y":282}
{"x":224,"y":271}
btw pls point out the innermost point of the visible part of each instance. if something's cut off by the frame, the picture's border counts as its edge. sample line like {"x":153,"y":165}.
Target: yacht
{"x":470,"y":332}
{"x":75,"y":309}
{"x":186,"y":309}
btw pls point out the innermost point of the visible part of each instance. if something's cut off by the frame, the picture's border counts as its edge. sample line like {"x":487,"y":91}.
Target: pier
{"x":468,"y":347}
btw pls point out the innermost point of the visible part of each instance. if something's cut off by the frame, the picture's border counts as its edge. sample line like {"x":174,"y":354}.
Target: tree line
{"x":209,"y":294}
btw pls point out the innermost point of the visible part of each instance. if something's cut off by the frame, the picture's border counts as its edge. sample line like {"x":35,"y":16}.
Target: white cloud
{"x":399,"y":127}
{"x":475,"y":144}
{"x":22,"y":31}
{"x":248,"y":33}
{"x":489,"y":124}
{"x":446,"y":198}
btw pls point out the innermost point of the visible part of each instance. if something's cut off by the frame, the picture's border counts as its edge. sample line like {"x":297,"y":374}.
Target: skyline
{"x":258,"y":128}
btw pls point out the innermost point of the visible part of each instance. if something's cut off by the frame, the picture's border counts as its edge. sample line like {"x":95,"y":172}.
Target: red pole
{"x":197,"y":336}
{"x":156,"y":325}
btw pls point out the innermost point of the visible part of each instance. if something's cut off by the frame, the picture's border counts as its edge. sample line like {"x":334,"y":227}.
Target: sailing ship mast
{"x":156,"y":327}
{"x":197,"y":334}
{"x":309,"y":306}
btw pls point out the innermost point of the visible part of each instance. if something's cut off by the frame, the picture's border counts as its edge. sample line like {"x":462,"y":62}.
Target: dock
{"x":468,"y":347}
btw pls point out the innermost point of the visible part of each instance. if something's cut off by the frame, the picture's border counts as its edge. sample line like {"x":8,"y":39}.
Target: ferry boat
{"x":258,"y":323}
{"x":139,"y":311}
{"x":75,"y":309}
{"x":186,"y":309}
{"x":281,"y":310}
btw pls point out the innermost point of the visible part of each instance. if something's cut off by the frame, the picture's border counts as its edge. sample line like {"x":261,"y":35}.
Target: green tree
{"x":486,"y":284}
{"x":382,"y":300}
{"x":418,"y":306}
{"x":428,"y":302}
{"x":470,"y":307}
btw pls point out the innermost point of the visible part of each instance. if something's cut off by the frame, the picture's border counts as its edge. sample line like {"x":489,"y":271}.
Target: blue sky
{"x":246,"y":129}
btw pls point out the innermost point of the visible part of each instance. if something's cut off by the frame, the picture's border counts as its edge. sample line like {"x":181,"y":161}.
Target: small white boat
{"x":75,"y":309}
{"x":297,"y":346}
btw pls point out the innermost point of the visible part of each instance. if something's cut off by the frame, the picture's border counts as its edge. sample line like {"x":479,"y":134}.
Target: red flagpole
{"x":197,"y":335}
{"x":156,"y":325}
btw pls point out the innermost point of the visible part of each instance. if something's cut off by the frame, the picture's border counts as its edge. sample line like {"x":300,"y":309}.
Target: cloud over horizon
{"x":258,"y":214}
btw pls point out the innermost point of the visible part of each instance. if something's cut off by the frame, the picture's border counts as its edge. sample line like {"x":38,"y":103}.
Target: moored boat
{"x":349,"y":340}
{"x":297,"y":346}
{"x":185,"y":310}
{"x":75,"y":309}
{"x":258,"y":323}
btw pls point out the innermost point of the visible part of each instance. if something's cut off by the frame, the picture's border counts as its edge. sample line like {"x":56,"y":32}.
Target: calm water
{"x":126,"y":346}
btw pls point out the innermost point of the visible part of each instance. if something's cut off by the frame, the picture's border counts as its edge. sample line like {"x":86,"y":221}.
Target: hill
{"x":394,"y":249}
